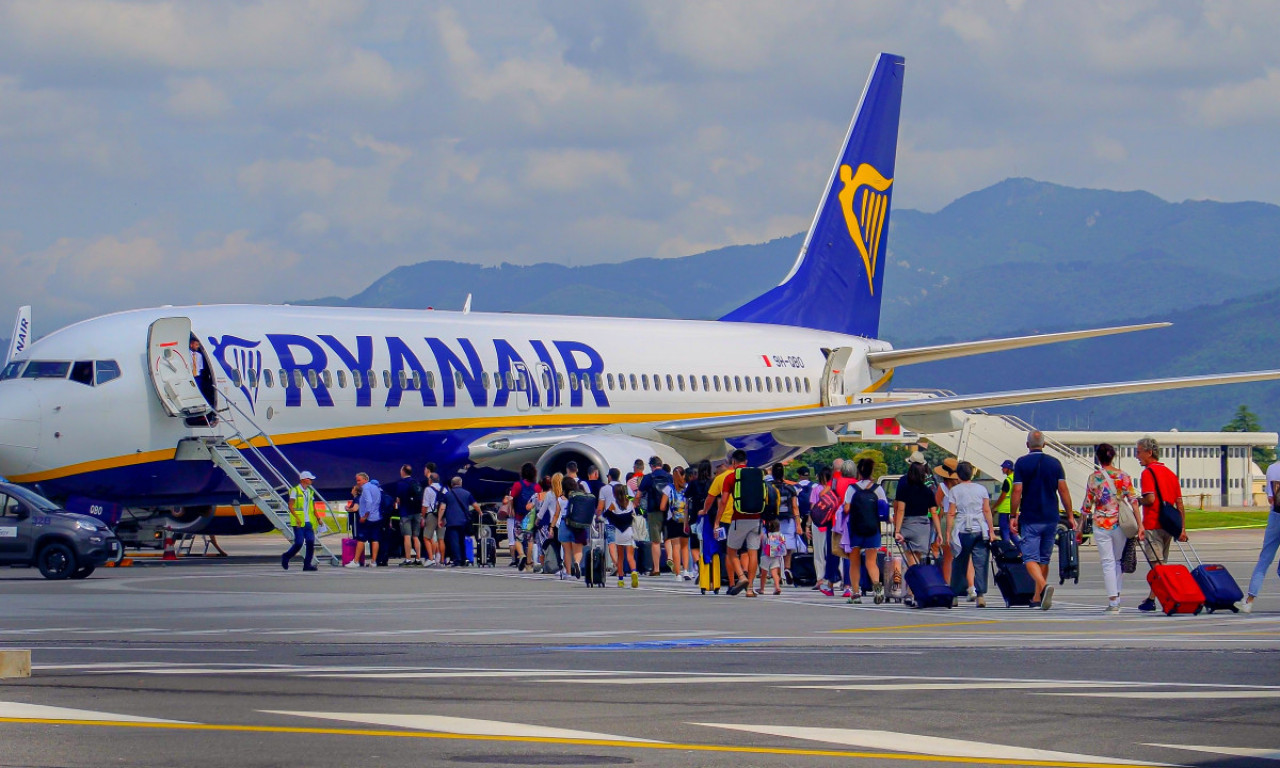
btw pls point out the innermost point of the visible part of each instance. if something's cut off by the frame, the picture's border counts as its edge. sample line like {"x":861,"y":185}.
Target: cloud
{"x":197,"y":98}
{"x":569,"y":169}
{"x":1254,"y":101}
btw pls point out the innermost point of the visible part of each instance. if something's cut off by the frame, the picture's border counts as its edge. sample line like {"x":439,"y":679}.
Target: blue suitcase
{"x":927,"y":586}
{"x":1221,"y":592}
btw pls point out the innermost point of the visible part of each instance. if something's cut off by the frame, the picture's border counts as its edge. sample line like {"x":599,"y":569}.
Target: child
{"x":620,"y":515}
{"x":772,"y":550}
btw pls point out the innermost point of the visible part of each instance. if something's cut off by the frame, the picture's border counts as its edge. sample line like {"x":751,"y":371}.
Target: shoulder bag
{"x":1129,"y":522}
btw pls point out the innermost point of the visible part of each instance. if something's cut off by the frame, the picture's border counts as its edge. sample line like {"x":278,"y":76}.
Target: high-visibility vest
{"x":1006,"y":506}
{"x":303,"y":510}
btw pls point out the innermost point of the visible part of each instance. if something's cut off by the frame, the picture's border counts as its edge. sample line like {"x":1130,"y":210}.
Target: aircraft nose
{"x":19,"y":429}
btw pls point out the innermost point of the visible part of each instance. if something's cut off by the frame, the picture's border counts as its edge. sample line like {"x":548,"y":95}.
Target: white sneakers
{"x":1246,"y":607}
{"x":352,"y":564}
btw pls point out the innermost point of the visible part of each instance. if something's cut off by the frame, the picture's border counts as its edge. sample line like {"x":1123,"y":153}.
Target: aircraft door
{"x":545,"y":378}
{"x":833,"y":377}
{"x":167,"y":342}
{"x":523,"y":386}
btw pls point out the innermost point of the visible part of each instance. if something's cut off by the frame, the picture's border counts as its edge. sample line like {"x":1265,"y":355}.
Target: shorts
{"x":794,"y":541}
{"x":563,"y":534}
{"x":1038,"y":540}
{"x":673,"y":530}
{"x":1158,"y":543}
{"x":657,"y":521}
{"x":516,"y":532}
{"x":430,"y":524}
{"x":623,"y":538}
{"x":865,"y":542}
{"x":411,"y":525}
{"x":916,"y":531}
{"x":610,"y":534}
{"x":744,"y":534}
{"x":369,"y":531}
{"x":580,"y":535}
{"x":770,"y":563}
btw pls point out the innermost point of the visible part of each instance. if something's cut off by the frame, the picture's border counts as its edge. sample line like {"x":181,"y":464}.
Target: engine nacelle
{"x":603,"y":452}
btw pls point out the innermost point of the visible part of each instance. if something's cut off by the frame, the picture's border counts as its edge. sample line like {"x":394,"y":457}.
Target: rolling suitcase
{"x":892,"y":575}
{"x":348,"y":550}
{"x":593,"y":559}
{"x":928,"y":588}
{"x":803,"y":574}
{"x":1068,"y":556}
{"x":1220,"y":590}
{"x":1015,"y":584}
{"x":711,"y":575}
{"x":1174,"y":587}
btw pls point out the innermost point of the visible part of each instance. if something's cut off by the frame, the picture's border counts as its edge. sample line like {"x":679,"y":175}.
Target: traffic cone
{"x":169,"y":552}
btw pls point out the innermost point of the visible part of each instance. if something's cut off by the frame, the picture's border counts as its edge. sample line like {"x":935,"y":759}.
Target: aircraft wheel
{"x":56,"y":561}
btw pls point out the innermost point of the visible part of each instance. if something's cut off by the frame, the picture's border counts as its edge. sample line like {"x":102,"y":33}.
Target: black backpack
{"x":656,"y":499}
{"x":803,"y":494}
{"x":388,"y":504}
{"x":864,"y":511}
{"x":581,"y":512}
{"x":415,"y":497}
{"x":748,"y":490}
{"x":772,"y":502}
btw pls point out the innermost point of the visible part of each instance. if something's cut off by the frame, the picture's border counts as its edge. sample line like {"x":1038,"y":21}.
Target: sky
{"x":195,"y":152}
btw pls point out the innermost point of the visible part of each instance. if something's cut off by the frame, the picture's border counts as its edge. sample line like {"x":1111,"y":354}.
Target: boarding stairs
{"x":986,"y":439}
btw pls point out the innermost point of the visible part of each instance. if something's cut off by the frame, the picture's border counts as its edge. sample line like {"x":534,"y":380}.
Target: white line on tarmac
{"x":970,"y":686}
{"x":1174,"y":695}
{"x":461,"y":725}
{"x":42,"y":712}
{"x":917,"y":744}
{"x":1264,"y":754}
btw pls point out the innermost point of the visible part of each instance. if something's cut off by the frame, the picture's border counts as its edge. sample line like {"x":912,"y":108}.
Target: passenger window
{"x":600,"y":382}
{"x":236,"y":381}
{"x":297,"y":378}
{"x":342,"y":379}
{"x":417,"y":380}
{"x":610,"y":378}
{"x":748,"y":383}
{"x":284,"y":378}
{"x":693,"y":383}
{"x":327,"y":378}
{"x":670,"y":384}
{"x":403,"y":380}
{"x":622,"y":382}
{"x":705,"y":387}
{"x":252,"y":378}
{"x":312,"y":379}
{"x":266,"y":378}
{"x":372,"y":378}
{"x":758,"y":388}
{"x":778,"y":380}
{"x":357,"y":380}
{"x":680,"y":381}
{"x":431,"y":380}
{"x":737,"y":383}
{"x":573,"y":383}
{"x":644,"y":381}
{"x":657,"y":383}
{"x":633,"y":383}
{"x":82,"y":372}
{"x":806,"y":386}
{"x":716,"y":379}
{"x":768,"y":385}
{"x":559,"y":380}
{"x":788,"y":383}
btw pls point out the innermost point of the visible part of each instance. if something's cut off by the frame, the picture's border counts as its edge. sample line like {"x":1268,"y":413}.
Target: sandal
{"x":777,"y":591}
{"x":752,"y":594}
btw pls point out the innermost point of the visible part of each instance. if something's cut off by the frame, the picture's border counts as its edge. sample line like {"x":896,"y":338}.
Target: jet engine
{"x":603,"y":452}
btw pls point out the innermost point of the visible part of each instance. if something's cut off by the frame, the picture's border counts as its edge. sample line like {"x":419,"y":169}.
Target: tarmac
{"x":233,"y":661}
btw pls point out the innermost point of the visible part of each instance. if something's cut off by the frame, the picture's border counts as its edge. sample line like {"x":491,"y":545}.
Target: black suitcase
{"x":1068,"y":556}
{"x":803,"y":573}
{"x":593,"y":567}
{"x":644,"y":558}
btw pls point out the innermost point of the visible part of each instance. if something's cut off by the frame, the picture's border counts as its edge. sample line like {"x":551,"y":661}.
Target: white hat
{"x":306,"y":476}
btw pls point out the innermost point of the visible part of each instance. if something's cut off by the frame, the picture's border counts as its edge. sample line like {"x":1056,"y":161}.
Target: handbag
{"x":1129,"y":558}
{"x":1170,"y":519}
{"x":1129,"y":523}
{"x":639,"y":527}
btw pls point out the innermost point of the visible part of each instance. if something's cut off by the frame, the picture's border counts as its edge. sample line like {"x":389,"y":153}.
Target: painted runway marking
{"x":925,"y":745}
{"x":461,"y":725}
{"x":15,"y":709}
{"x":968,"y":686}
{"x":659,"y":645}
{"x":1263,"y":754}
{"x":1175,"y":695}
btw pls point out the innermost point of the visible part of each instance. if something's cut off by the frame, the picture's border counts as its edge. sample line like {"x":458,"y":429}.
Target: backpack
{"x":415,"y":496}
{"x":803,"y":500}
{"x":679,"y":512}
{"x":528,"y":492}
{"x":656,"y":499}
{"x":824,"y":510}
{"x":864,"y":511}
{"x":581,"y":512}
{"x":748,"y":491}
{"x":387,"y":505}
{"x":772,"y":502}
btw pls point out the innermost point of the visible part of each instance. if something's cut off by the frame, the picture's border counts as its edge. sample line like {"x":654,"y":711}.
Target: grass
{"x":1199,"y":519}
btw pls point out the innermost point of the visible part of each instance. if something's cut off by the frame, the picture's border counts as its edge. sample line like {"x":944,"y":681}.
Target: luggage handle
{"x":1184,"y":552}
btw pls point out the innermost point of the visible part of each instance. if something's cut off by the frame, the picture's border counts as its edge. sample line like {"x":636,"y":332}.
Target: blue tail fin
{"x":835,"y":283}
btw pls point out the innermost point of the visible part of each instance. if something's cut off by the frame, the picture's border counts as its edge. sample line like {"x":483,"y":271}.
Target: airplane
{"x":106,"y":411}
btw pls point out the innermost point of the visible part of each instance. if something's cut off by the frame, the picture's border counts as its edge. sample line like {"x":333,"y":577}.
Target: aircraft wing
{"x":720,"y":427}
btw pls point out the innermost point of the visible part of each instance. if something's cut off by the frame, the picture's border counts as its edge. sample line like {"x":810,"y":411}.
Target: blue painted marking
{"x":658,"y":645}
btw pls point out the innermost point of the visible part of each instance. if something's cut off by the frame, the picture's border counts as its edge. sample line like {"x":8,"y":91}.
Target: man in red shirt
{"x":1159,"y":483}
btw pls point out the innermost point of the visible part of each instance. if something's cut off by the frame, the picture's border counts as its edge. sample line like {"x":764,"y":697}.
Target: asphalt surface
{"x":236,"y":662}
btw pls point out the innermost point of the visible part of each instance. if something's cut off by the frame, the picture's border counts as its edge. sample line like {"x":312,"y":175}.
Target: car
{"x":37,"y":532}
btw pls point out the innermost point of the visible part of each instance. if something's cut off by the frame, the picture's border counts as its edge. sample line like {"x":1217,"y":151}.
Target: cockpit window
{"x":107,"y":370}
{"x":46,"y":369}
{"x":11,"y":370}
{"x":82,"y":372}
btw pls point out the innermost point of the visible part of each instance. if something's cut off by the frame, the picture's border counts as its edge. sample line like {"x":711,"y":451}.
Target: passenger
{"x":564,"y":536}
{"x":1106,"y":489}
{"x":1004,"y":502}
{"x":369,"y":509}
{"x":772,"y":550}
{"x":675,"y":529}
{"x":1159,"y":484}
{"x":607,"y":502}
{"x":432,"y":536}
{"x":946,"y":480}
{"x":637,"y":472}
{"x":652,"y":494}
{"x":409,"y":505}
{"x":915,"y":513}
{"x":1038,"y":483}
{"x":862,"y":548}
{"x":786,"y":516}
{"x":1270,"y":539}
{"x":619,"y":513}
{"x":843,"y":475}
{"x":969,"y":515}
{"x":521,"y":498}
{"x":571,"y":473}
{"x":458,"y":504}
{"x":819,"y":537}
{"x":795,"y":539}
{"x":546,"y":542}
{"x":742,"y":544}
{"x":578,"y":537}
{"x":697,"y":483}
{"x":302,"y":518}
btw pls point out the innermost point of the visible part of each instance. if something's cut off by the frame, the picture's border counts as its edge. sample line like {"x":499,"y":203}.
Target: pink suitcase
{"x":348,"y":550}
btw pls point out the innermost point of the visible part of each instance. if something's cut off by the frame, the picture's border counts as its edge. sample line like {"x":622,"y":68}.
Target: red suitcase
{"x":1176,"y":589}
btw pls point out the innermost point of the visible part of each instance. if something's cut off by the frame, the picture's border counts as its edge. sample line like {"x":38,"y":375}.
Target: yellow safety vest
{"x":1006,"y":506}
{"x":304,"y":506}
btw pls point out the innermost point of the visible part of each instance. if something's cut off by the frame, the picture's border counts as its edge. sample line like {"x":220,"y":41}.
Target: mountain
{"x":1018,"y":257}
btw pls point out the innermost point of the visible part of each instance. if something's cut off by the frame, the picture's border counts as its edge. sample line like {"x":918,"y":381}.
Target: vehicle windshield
{"x":31,"y":497}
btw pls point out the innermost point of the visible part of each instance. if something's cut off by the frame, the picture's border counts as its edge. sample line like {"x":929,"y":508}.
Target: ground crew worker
{"x":302,"y":517}
{"x":1004,"y":504}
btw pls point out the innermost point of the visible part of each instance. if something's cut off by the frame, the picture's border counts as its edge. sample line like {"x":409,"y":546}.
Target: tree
{"x":1246,"y":420}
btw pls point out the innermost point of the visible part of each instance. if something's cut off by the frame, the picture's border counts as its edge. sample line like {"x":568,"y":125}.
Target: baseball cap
{"x":1006,"y":464}
{"x":306,"y":476}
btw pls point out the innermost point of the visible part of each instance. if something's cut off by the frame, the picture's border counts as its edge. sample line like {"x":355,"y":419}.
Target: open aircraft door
{"x":833,"y":377}
{"x":167,"y":342}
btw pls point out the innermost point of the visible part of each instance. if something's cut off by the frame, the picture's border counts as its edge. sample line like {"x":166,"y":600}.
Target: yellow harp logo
{"x":865,"y":203}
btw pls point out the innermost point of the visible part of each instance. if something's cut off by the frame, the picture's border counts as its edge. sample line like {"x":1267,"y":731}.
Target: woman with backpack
{"x":969,"y":519}
{"x":676,"y":527}
{"x":697,"y":483}
{"x":619,"y":512}
{"x":864,"y":503}
{"x":552,"y":511}
{"x":573,"y":537}
{"x":519,"y":501}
